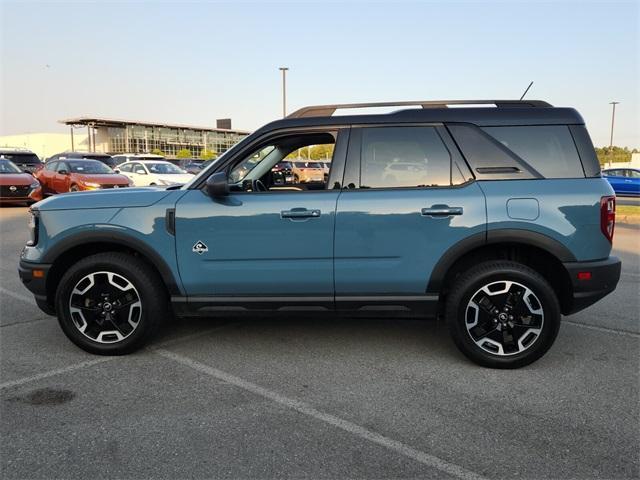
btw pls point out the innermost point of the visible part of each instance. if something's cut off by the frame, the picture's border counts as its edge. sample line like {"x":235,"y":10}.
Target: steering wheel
{"x":258,"y":186}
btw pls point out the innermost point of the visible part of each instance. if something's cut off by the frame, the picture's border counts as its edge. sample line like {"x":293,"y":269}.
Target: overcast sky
{"x":194,"y":62}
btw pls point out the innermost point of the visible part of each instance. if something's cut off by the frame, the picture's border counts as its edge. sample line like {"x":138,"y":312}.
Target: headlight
{"x":92,"y":185}
{"x":34,"y":185}
{"x":34,"y":221}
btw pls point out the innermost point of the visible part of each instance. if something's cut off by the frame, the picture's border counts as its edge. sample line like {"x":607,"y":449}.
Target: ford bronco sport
{"x":503,"y":225}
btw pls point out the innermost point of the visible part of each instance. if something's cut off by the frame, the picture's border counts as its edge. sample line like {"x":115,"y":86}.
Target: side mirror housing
{"x":218,"y":185}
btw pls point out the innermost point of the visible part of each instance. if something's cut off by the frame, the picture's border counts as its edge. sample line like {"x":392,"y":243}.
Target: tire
{"x":74,"y":188}
{"x":110,"y":303}
{"x":517,"y":326}
{"x":296,"y":179}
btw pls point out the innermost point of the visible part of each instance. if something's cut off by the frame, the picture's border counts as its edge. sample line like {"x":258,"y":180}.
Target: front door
{"x":411,"y":199}
{"x":264,"y":239}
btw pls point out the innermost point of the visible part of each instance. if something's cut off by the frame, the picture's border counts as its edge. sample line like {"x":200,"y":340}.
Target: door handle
{"x":443,"y":211}
{"x":299,"y":213}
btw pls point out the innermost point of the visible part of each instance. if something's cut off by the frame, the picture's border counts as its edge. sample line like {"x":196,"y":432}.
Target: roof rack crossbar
{"x":329,"y":110}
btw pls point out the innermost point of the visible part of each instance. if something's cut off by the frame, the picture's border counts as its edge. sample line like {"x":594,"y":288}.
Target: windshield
{"x":89,"y":167}
{"x":7,"y":166}
{"x":308,"y":165}
{"x":24,"y":158}
{"x":164,"y":168}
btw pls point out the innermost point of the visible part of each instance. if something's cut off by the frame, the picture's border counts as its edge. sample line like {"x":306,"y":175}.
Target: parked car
{"x":24,"y":159}
{"x":282,"y":173}
{"x":102,"y":157}
{"x":306,"y":172}
{"x":190,"y":165}
{"x":150,"y":172}
{"x":73,"y":175}
{"x":513,"y":230}
{"x":625,"y":181}
{"x":17,"y":186}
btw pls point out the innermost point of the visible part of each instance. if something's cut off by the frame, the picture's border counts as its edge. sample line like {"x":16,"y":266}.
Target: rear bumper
{"x":604,"y":279}
{"x":36,"y":285}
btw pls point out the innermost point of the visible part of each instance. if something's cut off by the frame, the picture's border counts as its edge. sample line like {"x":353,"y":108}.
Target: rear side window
{"x":547,"y":148}
{"x":394,"y":157}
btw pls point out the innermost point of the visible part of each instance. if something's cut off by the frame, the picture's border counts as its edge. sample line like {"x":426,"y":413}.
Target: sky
{"x":191,"y":63}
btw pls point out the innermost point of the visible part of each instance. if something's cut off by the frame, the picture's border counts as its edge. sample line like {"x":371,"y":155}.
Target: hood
{"x":112,"y":198}
{"x":175,"y":177}
{"x":103,"y":179}
{"x":16,"y":179}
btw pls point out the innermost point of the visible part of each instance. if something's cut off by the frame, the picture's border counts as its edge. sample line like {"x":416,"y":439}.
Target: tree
{"x":157,"y":151}
{"x":613,"y":154}
{"x":208,"y":154}
{"x":184,"y":153}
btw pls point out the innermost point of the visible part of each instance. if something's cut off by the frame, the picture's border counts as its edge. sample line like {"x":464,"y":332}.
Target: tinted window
{"x":404,"y":157}
{"x":125,"y":167}
{"x":549,"y":149}
{"x":7,"y":166}
{"x":62,"y":166}
{"x":633,"y":173}
{"x":22,"y":158}
{"x":51,"y":166}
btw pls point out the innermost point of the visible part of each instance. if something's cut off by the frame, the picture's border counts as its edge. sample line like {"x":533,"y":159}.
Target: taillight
{"x":608,"y":216}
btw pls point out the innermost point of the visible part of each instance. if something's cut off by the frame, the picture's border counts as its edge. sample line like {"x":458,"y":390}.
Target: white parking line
{"x":18,"y":296}
{"x":304,"y":408}
{"x":58,"y":371}
{"x":95,"y":361}
{"x":602,"y":329}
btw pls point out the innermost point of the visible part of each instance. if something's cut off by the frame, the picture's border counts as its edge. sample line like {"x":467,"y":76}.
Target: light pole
{"x":284,"y":90}
{"x":613,"y":120}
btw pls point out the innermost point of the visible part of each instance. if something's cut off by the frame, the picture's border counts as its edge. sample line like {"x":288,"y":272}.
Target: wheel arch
{"x":540,"y":252}
{"x":67,"y":252}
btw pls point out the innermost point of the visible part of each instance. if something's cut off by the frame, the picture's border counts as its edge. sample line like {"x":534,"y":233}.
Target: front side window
{"x":51,"y":166}
{"x":633,"y":173}
{"x":549,"y":149}
{"x":126,"y":167}
{"x":395,"y":157}
{"x":241,"y":170}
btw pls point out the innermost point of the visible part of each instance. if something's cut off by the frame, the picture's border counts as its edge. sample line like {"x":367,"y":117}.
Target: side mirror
{"x":63,"y":172}
{"x":218,"y":185}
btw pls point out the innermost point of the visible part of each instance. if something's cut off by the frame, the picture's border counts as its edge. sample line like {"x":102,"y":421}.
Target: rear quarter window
{"x":549,"y":149}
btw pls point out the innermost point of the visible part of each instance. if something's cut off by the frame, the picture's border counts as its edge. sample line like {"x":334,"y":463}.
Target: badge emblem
{"x":116,"y":186}
{"x":200,"y":247}
{"x":13,"y":188}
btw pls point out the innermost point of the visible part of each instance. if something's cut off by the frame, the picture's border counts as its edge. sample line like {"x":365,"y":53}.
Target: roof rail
{"x":329,"y":110}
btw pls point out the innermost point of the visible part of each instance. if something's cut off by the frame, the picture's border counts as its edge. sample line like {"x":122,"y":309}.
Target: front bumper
{"x":603,"y":279}
{"x":37,"y":284}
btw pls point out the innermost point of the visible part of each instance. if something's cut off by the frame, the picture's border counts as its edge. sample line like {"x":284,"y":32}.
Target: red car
{"x":69,"y":175}
{"x":17,"y":186}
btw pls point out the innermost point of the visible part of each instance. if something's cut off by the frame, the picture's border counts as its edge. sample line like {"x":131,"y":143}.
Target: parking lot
{"x":317,"y":398}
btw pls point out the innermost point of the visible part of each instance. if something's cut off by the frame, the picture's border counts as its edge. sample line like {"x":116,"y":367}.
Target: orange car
{"x":17,"y":186}
{"x":69,"y":175}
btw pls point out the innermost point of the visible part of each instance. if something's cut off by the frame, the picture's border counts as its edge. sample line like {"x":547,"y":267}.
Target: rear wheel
{"x":74,"y":188}
{"x":503,"y":314}
{"x":110,"y":303}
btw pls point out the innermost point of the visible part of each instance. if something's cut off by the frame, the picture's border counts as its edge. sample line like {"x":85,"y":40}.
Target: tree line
{"x":614,"y":154}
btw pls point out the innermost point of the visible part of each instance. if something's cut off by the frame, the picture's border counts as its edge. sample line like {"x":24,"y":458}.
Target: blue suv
{"x":492,"y":215}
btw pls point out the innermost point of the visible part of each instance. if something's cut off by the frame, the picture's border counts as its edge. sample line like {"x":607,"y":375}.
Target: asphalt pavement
{"x":316,"y":398}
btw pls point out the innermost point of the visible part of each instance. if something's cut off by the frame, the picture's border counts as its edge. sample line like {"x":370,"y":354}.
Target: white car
{"x":150,"y":172}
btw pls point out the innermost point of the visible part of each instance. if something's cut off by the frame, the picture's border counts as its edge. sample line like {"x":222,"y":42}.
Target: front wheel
{"x":110,"y":303}
{"x":502,"y":314}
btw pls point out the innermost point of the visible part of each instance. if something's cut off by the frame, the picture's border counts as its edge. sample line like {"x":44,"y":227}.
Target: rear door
{"x":411,"y":198}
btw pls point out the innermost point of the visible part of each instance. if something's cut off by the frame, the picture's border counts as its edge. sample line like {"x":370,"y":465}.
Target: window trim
{"x":353,"y":169}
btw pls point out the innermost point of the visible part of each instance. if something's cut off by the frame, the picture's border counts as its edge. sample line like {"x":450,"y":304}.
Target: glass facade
{"x":136,"y":138}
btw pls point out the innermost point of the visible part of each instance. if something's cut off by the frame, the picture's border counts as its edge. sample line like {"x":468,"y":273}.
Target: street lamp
{"x":613,"y":120}
{"x":284,"y":90}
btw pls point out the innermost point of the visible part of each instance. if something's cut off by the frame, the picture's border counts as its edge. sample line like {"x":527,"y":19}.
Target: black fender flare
{"x":506,"y":235}
{"x":121,"y":239}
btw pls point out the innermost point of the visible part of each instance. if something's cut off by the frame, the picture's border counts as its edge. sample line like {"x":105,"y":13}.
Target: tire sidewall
{"x":133,"y":274}
{"x":471,"y":284}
